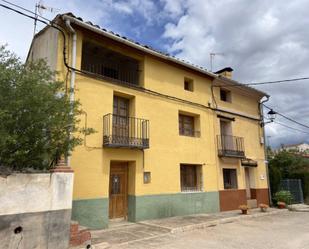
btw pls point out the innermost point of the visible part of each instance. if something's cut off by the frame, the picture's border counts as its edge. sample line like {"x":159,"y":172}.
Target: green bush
{"x":283,"y":196}
{"x":36,"y":115}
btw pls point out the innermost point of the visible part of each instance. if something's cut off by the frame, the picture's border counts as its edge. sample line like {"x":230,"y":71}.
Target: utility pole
{"x":212,"y":58}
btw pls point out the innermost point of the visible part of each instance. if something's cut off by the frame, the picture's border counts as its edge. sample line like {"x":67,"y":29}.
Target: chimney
{"x":225,"y":72}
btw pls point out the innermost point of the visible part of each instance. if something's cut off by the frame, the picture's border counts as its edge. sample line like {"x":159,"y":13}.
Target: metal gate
{"x":294,"y":186}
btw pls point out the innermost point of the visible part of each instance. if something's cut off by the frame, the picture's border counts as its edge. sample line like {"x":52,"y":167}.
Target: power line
{"x":21,"y":13}
{"x":289,"y":127}
{"x":290,"y":119}
{"x":264,"y":83}
{"x":20,"y":7}
{"x":276,"y":81}
{"x":245,"y":84}
{"x":34,"y":18}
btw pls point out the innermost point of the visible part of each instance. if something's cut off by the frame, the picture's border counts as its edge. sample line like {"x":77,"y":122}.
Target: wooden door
{"x":248,"y":186}
{"x":118,"y":190}
{"x":121,"y":119}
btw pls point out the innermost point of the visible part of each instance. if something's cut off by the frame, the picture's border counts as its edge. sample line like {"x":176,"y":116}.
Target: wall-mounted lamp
{"x":271,"y":115}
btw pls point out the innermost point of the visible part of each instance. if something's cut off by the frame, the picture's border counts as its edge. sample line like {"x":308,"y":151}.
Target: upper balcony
{"x":109,"y":64}
{"x":125,"y":132}
{"x":230,"y":146}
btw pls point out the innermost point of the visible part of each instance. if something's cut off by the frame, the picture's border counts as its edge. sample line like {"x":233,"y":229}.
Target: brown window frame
{"x":185,"y":121}
{"x":190,"y":178}
{"x":228,"y":182}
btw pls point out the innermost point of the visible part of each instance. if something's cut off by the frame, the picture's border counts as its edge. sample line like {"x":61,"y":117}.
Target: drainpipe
{"x":265,"y":149}
{"x":73,"y":65}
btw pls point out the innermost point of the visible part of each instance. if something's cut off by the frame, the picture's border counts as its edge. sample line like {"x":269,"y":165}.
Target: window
{"x":225,"y":95}
{"x":188,"y":85}
{"x":186,"y":125}
{"x":230,"y":178}
{"x":147,"y":177}
{"x":190,"y":177}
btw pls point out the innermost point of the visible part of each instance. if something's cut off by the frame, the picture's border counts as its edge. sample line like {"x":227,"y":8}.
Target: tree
{"x":36,"y":116}
{"x":286,"y":164}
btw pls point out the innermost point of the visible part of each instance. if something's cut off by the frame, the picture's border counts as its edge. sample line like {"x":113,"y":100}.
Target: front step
{"x":252,"y":203}
{"x":78,"y":235}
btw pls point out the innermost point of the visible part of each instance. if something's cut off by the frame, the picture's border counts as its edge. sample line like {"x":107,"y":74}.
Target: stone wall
{"x":35,"y":210}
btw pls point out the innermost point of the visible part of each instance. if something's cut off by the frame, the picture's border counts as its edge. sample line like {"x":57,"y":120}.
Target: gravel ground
{"x":285,"y":231}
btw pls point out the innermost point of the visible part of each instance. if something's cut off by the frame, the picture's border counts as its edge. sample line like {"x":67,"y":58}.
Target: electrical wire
{"x":276,"y":81}
{"x":289,"y":127}
{"x":114,"y":81}
{"x":244,"y":84}
{"x":32,"y":12}
{"x":284,"y":116}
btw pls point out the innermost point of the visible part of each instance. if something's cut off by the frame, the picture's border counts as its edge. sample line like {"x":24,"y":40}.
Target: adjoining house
{"x":298,"y":148}
{"x":172,"y":138}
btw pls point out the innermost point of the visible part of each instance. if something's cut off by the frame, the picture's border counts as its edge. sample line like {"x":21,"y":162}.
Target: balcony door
{"x":121,"y":120}
{"x":226,"y":135}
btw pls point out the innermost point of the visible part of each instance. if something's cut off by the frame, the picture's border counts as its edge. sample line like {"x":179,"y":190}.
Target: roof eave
{"x":136,"y":46}
{"x":232,"y":82}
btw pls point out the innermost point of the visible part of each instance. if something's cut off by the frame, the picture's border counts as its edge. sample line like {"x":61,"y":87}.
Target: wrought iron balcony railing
{"x":125,"y":132}
{"x":230,"y":146}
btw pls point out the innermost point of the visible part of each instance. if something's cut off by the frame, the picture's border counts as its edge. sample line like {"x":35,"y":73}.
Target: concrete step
{"x":252,"y":203}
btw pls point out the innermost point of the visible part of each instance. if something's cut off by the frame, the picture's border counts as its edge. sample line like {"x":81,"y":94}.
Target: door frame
{"x":123,"y":167}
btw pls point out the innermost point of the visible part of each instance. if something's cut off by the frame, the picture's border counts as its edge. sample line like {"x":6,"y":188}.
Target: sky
{"x":261,"y":40}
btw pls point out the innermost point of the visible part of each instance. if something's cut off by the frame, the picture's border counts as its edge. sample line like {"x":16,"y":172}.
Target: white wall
{"x":28,"y":193}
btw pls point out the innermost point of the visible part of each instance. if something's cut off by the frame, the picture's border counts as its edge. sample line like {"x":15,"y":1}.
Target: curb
{"x":223,"y":221}
{"x":193,"y":227}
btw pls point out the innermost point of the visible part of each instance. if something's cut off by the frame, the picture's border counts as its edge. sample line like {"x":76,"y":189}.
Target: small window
{"x":188,"y":85}
{"x":225,"y":95}
{"x":190,"y":178}
{"x":147,"y":177}
{"x":230,"y":178}
{"x":186,"y":125}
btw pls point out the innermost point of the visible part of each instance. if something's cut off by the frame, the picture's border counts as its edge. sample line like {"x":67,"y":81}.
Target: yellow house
{"x":172,"y":138}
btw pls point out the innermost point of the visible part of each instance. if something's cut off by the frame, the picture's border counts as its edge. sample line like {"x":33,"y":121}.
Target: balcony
{"x":111,"y":65}
{"x":125,"y":132}
{"x":230,"y":146}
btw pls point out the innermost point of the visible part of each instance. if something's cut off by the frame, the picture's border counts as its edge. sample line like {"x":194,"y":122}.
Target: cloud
{"x":261,"y":40}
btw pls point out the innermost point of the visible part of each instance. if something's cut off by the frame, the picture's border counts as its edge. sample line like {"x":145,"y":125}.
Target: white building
{"x":301,"y":147}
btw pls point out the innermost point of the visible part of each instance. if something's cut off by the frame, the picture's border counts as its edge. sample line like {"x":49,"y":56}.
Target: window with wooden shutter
{"x":230,"y":178}
{"x":190,"y":178}
{"x":186,"y":125}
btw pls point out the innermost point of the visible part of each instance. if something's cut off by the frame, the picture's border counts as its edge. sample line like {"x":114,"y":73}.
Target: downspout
{"x":265,"y":149}
{"x":73,"y":65}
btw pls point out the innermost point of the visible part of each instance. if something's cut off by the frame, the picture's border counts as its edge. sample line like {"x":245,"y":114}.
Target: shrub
{"x":283,"y":196}
{"x":36,"y":115}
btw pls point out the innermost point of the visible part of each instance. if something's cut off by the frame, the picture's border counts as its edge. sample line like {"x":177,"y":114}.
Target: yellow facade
{"x":167,"y":149}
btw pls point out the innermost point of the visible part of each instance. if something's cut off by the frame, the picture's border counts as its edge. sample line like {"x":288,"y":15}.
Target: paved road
{"x":281,"y":231}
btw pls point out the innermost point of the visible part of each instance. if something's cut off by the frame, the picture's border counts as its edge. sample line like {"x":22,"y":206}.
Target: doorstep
{"x":144,"y":230}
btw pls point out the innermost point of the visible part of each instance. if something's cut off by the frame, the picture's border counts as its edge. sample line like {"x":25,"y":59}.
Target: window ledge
{"x":192,"y":192}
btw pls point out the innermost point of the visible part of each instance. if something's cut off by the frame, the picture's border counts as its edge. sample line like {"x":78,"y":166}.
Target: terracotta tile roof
{"x":167,"y":56}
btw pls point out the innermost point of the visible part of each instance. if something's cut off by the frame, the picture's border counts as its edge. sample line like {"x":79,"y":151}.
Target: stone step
{"x":252,"y":203}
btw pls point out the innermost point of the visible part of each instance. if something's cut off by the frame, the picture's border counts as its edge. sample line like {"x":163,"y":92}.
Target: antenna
{"x":39,"y":8}
{"x":212,"y":58}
